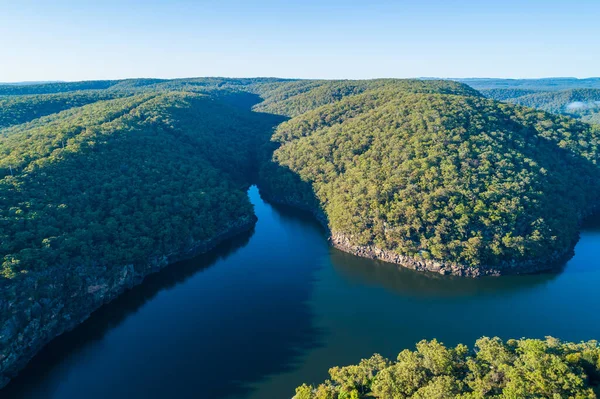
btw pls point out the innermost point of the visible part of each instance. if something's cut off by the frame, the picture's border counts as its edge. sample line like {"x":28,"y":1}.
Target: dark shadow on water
{"x":592,"y":223}
{"x":406,"y":282}
{"x":111,"y":315}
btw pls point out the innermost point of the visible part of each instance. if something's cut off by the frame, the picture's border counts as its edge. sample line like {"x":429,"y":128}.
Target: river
{"x":276,"y":307}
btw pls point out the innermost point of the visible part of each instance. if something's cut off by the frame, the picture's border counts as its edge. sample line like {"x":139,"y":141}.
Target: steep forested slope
{"x":458,"y":178}
{"x":524,"y":368}
{"x":444,"y":182}
{"x":96,"y":197}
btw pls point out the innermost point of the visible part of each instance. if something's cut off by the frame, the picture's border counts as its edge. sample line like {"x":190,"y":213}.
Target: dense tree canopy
{"x":428,"y":169}
{"x":516,"y":369}
{"x":295,"y":98}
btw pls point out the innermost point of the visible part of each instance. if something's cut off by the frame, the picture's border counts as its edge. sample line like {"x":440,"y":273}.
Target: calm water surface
{"x":277,"y":307}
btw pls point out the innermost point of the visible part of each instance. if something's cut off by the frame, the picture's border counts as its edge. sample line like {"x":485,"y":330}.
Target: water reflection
{"x":406,"y":282}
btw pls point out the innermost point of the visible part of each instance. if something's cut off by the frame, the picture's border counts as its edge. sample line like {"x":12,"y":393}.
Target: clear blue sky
{"x":106,"y":39}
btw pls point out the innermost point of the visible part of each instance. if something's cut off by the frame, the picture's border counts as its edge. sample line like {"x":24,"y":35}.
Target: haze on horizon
{"x":84,"y":40}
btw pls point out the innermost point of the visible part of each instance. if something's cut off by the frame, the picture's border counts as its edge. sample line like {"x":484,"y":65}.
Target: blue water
{"x":277,"y":307}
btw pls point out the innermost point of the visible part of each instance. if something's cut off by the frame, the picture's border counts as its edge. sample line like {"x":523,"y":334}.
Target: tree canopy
{"x":524,"y":369}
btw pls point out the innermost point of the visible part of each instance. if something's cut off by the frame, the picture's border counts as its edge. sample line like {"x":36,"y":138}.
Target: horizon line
{"x":51,"y":81}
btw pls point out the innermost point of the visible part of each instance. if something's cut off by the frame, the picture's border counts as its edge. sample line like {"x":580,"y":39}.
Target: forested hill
{"x":188,"y":84}
{"x":95,"y":197}
{"x":135,"y":176}
{"x":64,"y":87}
{"x":104,"y":182}
{"x":296,"y":98}
{"x":454,"y":183}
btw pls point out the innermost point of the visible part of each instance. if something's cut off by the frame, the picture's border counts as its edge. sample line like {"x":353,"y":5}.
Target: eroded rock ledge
{"x":551,"y":262}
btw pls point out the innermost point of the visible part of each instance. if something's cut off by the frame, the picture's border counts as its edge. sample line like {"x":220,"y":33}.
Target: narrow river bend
{"x":278,"y":307}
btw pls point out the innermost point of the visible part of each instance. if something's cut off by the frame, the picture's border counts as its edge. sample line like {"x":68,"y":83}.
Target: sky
{"x":329,"y":39}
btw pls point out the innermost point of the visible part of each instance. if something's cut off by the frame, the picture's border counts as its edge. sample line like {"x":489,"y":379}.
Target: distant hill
{"x":33,"y":82}
{"x":583,"y":104}
{"x":15,"y":110}
{"x":533,"y":84}
{"x":64,"y":87}
{"x":577,"y":98}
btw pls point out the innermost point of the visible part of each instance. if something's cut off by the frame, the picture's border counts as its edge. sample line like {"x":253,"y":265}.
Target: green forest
{"x":523,"y":369}
{"x":16,"y":110}
{"x":119,"y":181}
{"x":423,"y":168}
{"x":104,"y":182}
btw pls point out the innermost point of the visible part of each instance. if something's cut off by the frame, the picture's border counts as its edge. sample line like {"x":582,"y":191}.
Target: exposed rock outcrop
{"x":553,"y":261}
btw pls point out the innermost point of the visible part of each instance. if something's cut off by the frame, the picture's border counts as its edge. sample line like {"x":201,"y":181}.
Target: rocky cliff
{"x":28,"y":331}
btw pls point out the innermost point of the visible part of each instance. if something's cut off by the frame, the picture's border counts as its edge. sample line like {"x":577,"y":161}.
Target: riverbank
{"x":553,"y":261}
{"x":21,"y":340}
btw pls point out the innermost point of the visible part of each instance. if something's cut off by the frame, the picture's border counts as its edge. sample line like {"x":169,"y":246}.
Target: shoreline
{"x":14,"y":358}
{"x":550,"y":263}
{"x":553,"y":262}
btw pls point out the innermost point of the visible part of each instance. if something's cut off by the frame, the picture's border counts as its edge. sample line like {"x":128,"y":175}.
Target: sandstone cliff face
{"x":26,"y":332}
